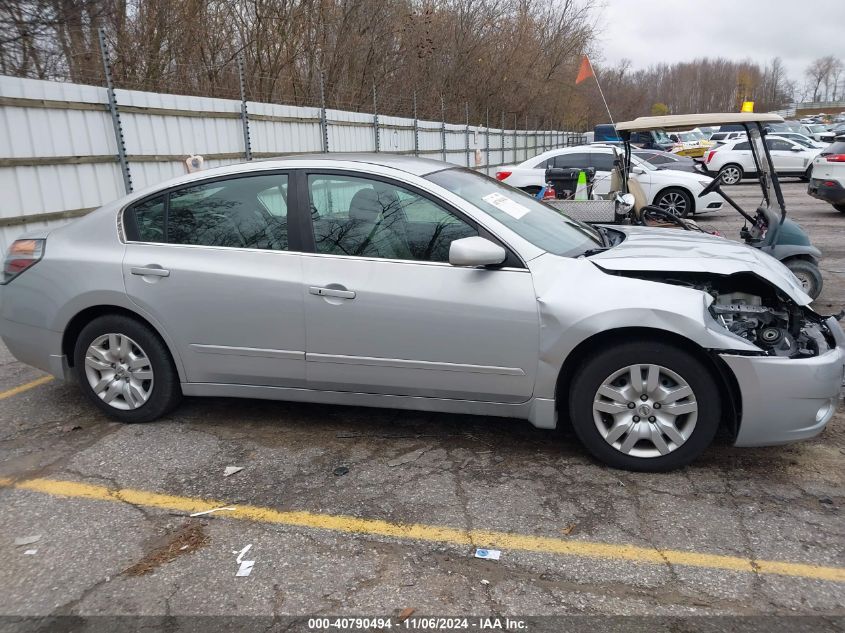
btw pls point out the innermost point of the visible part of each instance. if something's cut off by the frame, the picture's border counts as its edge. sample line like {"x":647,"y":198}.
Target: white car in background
{"x":828,"y":181}
{"x":801,"y":139}
{"x":669,"y":189}
{"x":733,"y":160}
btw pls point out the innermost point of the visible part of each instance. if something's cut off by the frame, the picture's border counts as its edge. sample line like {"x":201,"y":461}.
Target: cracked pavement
{"x":471,"y":473}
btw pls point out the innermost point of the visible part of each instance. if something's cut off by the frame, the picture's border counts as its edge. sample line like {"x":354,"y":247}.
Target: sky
{"x":652,"y":31}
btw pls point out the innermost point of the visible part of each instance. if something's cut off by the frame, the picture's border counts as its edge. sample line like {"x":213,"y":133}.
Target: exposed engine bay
{"x":753,"y":309}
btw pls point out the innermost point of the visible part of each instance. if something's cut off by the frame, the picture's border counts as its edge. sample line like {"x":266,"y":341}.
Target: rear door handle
{"x":331,"y":292}
{"x":151,"y":271}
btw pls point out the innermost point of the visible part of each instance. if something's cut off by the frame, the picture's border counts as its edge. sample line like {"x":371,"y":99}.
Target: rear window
{"x":837,"y":147}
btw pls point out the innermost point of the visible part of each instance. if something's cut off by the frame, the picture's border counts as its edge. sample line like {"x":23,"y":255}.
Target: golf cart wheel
{"x":676,"y":201}
{"x":645,"y":406}
{"x":731,"y":174}
{"x":808,"y":274}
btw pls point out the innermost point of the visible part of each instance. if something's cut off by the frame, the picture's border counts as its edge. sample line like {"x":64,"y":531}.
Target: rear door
{"x":216,"y":266}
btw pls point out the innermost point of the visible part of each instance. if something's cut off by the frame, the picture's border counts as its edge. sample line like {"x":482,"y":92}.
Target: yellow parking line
{"x":440,"y":534}
{"x":25,"y":387}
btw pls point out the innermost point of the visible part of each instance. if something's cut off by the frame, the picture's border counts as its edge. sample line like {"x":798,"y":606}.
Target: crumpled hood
{"x":659,"y":249}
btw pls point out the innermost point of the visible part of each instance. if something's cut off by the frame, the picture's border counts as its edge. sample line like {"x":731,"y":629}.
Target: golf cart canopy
{"x":688,"y":121}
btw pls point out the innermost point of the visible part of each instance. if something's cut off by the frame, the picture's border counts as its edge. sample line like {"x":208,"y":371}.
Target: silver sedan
{"x":398,"y":282}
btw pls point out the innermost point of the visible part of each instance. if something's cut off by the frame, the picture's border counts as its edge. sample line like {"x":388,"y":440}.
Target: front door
{"x":387,"y":314}
{"x":212,"y":263}
{"x":785,"y":159}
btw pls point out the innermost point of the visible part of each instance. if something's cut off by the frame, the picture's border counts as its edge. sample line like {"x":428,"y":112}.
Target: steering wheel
{"x":710,"y":188}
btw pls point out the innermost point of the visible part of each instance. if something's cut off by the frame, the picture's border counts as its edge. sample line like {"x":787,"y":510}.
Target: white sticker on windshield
{"x":502,"y":202}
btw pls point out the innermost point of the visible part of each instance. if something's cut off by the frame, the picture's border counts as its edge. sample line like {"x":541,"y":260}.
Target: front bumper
{"x":785,"y":399}
{"x":827,"y":190}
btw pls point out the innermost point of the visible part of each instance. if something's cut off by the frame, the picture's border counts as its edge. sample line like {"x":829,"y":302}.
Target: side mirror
{"x":796,"y":149}
{"x":475,"y":251}
{"x":637,"y":170}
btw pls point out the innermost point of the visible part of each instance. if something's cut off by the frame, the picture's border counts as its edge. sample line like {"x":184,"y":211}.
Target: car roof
{"x":673,"y":121}
{"x":410,"y":164}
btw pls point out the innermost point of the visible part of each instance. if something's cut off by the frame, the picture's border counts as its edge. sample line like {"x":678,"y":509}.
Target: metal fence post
{"x":466,"y":133}
{"x":514,"y":138}
{"x":416,"y":128}
{"x":502,"y":134}
{"x":324,"y":124}
{"x":525,"y":137}
{"x":115,"y":114}
{"x":375,"y":118}
{"x":443,"y":126}
{"x":487,"y":144}
{"x":244,"y":113}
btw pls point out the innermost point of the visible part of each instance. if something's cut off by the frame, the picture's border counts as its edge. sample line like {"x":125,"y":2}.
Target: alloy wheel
{"x":730,"y":175}
{"x":674,"y":202}
{"x":645,"y":410}
{"x":119,"y":371}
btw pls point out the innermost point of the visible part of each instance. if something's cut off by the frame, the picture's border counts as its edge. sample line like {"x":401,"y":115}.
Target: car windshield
{"x":642,"y":163}
{"x":532,"y":220}
{"x":661,"y":136}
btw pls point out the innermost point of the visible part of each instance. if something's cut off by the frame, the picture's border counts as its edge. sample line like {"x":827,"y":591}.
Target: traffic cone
{"x":581,"y":189}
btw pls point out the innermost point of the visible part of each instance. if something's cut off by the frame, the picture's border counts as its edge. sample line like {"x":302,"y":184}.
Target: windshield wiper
{"x":594,"y":251}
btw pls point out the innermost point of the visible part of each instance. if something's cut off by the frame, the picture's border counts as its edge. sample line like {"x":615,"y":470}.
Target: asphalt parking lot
{"x":372,"y":512}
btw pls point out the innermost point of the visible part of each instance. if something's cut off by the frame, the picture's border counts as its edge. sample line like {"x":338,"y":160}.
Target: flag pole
{"x":601,"y":92}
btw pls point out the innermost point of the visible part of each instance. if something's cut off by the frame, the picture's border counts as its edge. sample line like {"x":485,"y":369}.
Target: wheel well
{"x":80,"y":320}
{"x":803,"y":257}
{"x":682,"y":190}
{"x":724,"y":378}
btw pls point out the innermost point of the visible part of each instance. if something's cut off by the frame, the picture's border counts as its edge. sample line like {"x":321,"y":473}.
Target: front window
{"x":361,"y":217}
{"x":530,"y":219}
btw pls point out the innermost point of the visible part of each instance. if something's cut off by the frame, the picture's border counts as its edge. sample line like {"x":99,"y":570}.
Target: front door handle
{"x":151,"y":271}
{"x":332,"y":292}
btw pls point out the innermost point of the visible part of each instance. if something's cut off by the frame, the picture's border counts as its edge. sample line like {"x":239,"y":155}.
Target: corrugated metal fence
{"x":59,"y":156}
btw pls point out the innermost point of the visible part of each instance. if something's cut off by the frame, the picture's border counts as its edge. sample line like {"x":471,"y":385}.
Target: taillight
{"x":709,"y":155}
{"x":22,"y":254}
{"x":835,"y":158}
{"x":501,"y":175}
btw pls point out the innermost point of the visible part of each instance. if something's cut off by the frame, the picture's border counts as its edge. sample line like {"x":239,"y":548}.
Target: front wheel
{"x":644,"y":406}
{"x":730,"y":174}
{"x":125,"y":369}
{"x":808,"y":274}
{"x":676,"y":201}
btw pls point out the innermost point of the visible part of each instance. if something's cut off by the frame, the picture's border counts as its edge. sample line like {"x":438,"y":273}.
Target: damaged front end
{"x":755,"y":310}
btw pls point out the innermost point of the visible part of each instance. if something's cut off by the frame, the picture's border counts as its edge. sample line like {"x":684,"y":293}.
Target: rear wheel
{"x":125,"y":369}
{"x":644,"y":406}
{"x":808,"y":274}
{"x":839,"y":207}
{"x":676,"y":201}
{"x":731,"y":174}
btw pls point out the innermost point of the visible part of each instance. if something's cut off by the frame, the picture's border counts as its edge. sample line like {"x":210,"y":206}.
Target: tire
{"x":731,"y":174}
{"x":808,"y":274}
{"x":694,"y":425}
{"x":677,"y":201}
{"x":839,"y":207}
{"x":125,"y":369}
{"x":808,"y":175}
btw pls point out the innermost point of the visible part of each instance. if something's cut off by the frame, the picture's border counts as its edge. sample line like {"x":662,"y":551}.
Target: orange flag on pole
{"x":585,"y":71}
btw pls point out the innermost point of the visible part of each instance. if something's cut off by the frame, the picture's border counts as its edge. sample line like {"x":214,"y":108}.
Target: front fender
{"x":576,"y":301}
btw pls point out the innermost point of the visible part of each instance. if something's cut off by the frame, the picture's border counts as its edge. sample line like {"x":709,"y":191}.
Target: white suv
{"x":667,"y":188}
{"x":828,"y":182}
{"x":733,"y":161}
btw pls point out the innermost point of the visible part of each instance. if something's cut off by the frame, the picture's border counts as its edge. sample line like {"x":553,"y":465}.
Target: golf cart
{"x":766,"y":228}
